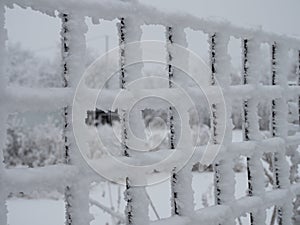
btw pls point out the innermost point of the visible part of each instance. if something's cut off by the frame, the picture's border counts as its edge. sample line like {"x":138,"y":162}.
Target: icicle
{"x":279,"y":129}
{"x":182,"y":200}
{"x":224,"y":176}
{"x":73,"y":58}
{"x":3,"y":116}
{"x":251,"y":51}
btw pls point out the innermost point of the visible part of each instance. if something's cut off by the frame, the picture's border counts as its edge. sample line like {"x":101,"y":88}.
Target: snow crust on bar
{"x":107,"y":97}
{"x":279,"y":128}
{"x":77,"y":195}
{"x":256,"y":183}
{"x":221,"y":121}
{"x":249,"y":148}
{"x":50,"y":99}
{"x":21,"y":99}
{"x":137,"y":208}
{"x":111,"y":10}
{"x":217,"y":214}
{"x":182,"y":199}
{"x":212,"y":93}
{"x":75,"y":62}
{"x":133,"y":53}
{"x":137,"y":205}
{"x":44,"y":178}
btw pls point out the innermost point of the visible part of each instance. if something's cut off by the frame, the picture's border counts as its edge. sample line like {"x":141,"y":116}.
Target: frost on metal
{"x":136,"y":211}
{"x":279,"y":128}
{"x":73,"y":175}
{"x":251,"y":75}
{"x":182,"y":201}
{"x":73,"y":52}
{"x":223,"y":169}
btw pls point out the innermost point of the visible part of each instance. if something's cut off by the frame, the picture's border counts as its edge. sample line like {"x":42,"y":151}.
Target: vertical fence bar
{"x":122,"y":42}
{"x":251,"y":75}
{"x":295,"y":158}
{"x":170,"y":69}
{"x":129,"y":29}
{"x":65,"y":77}
{"x":3,"y":116}
{"x":279,"y":129}
{"x":182,"y":199}
{"x":220,"y":75}
{"x":73,"y":58}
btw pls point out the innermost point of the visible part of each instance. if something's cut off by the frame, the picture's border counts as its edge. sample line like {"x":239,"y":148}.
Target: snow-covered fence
{"x":74,"y":177}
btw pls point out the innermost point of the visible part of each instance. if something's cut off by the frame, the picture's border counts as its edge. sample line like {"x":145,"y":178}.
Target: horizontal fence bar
{"x":268,"y":145}
{"x":212,"y":93}
{"x":20,"y":99}
{"x":42,"y":178}
{"x":51,"y":99}
{"x":109,"y":10}
{"x":219,"y":213}
{"x":249,"y":148}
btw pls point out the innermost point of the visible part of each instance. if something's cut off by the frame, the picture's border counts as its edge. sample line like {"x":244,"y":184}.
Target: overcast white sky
{"x":40,"y":33}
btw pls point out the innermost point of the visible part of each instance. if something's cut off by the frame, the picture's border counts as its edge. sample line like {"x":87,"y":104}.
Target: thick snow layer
{"x":111,"y":10}
{"x":159,"y":193}
{"x":181,"y":188}
{"x":251,"y":75}
{"x":49,"y":212}
{"x":221,"y":121}
{"x":73,"y":34}
{"x":52,"y":211}
{"x":279,"y":128}
{"x":44,"y":178}
{"x":21,"y":99}
{"x":105,"y":98}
